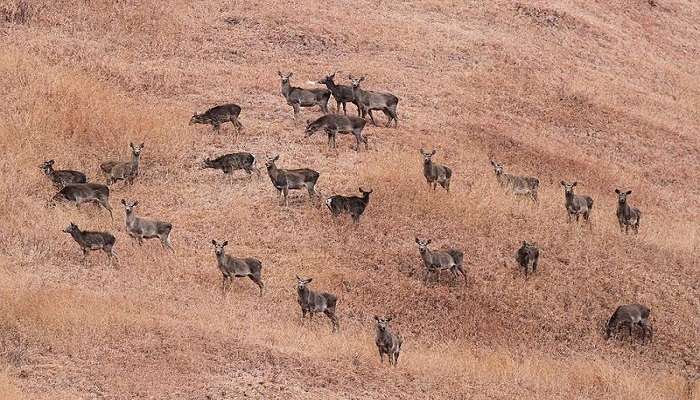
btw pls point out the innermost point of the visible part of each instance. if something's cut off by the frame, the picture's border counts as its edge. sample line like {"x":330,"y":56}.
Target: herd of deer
{"x":74,"y":187}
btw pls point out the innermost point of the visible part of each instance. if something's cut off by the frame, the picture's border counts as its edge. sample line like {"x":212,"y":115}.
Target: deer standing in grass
{"x":353,"y":205}
{"x":576,"y":205}
{"x":629,"y":315}
{"x":528,"y":254}
{"x":232,"y":267}
{"x":333,"y":124}
{"x":440,"y":260}
{"x":298,"y":97}
{"x":142,"y":228}
{"x":341,"y":93}
{"x":218,"y":115}
{"x":90,"y":241}
{"x":123,"y":170}
{"x":234,"y":161}
{"x":627,"y":215}
{"x":61,"y":178}
{"x":80,"y":193}
{"x":387,"y":341}
{"x":367,"y":101}
{"x":312,"y":302}
{"x":285,"y":180}
{"x":435,"y":173}
{"x":518,"y":185}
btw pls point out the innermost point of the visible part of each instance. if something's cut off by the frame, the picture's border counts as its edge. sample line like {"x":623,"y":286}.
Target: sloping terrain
{"x":604,"y":93}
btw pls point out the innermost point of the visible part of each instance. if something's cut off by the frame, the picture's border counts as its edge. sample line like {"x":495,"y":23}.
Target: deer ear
{"x":617,"y":191}
{"x":432,"y":152}
{"x":417,"y":241}
{"x":290,"y":74}
{"x":362,"y":78}
{"x":280,"y":73}
{"x":309,"y":280}
{"x":524,"y":243}
{"x":389,"y":318}
{"x":123,"y":201}
{"x":142,"y":145}
{"x":376,"y":317}
{"x":224,"y":243}
{"x":276,"y":158}
{"x":131,"y":145}
{"x":136,"y":203}
{"x":429,"y":241}
{"x":574,"y":184}
{"x":629,"y":192}
{"x":51,"y":162}
{"x":213,"y":242}
{"x":298,"y":277}
{"x":562,"y":183}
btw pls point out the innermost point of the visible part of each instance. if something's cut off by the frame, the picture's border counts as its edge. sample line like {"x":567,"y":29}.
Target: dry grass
{"x":601,"y":93}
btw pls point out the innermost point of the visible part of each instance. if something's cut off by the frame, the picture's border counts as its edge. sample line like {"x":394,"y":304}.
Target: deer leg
{"x":258,"y":281}
{"x":295,"y":106}
{"x":215,"y":127}
{"x":371,"y":117}
{"x":389,"y":118}
{"x":345,"y":110}
{"x":285,"y":191}
{"x":381,"y":356}
{"x":334,"y":320}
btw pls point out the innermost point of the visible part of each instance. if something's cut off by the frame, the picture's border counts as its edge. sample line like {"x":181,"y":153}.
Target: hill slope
{"x":604,"y":93}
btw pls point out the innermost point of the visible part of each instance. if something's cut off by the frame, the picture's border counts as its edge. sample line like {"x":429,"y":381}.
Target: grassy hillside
{"x":605,"y":93}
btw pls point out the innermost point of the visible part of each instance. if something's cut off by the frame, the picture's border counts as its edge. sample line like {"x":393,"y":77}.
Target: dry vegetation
{"x":605,"y":93}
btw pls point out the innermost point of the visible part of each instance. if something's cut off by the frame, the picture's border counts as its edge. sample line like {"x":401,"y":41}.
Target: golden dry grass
{"x":602,"y":93}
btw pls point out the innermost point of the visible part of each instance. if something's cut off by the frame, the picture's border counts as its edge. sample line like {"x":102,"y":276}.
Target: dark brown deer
{"x":298,"y":97}
{"x":285,"y":180}
{"x":353,"y":205}
{"x":630,"y":315}
{"x":333,"y":124}
{"x":90,"y":241}
{"x":368,"y":101}
{"x":627,"y":215}
{"x":435,"y":173}
{"x":61,"y":178}
{"x":341,"y":93}
{"x":387,"y":341}
{"x":232,"y":267}
{"x":576,"y":205}
{"x":80,"y":193}
{"x":528,"y":254}
{"x":234,"y":161}
{"x":218,"y":115}
{"x":123,"y":170}
{"x":312,"y":302}
{"x":438,"y":261}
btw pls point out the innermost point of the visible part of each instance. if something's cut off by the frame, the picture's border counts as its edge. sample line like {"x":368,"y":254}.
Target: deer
{"x":629,"y":315}
{"x":353,"y":205}
{"x":528,"y":254}
{"x":367,"y":101}
{"x":80,"y":193}
{"x":437,"y":261}
{"x":298,"y":97}
{"x":218,"y":115}
{"x":123,"y":170}
{"x":285,"y":180}
{"x":341,"y":93}
{"x":232,"y":267}
{"x":627,"y":215}
{"x":142,"y":228}
{"x":90,"y":241}
{"x":576,"y":205}
{"x":387,"y":341}
{"x":61,"y":178}
{"x":312,"y":302}
{"x":518,"y":185}
{"x":334,"y":124}
{"x":234,"y":161}
{"x":435,"y":173}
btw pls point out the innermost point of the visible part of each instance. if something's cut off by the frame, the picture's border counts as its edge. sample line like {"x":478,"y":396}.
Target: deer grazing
{"x":388,"y":342}
{"x":123,"y":170}
{"x":218,"y":115}
{"x":435,"y":173}
{"x":341,"y":93}
{"x":234,"y":161}
{"x":438,"y":261}
{"x":142,"y":228}
{"x":312,"y":302}
{"x":629,"y":315}
{"x":333,"y":124}
{"x":353,"y":205}
{"x":285,"y":180}
{"x":88,"y":241}
{"x":627,"y":215}
{"x":576,"y":205}
{"x":528,"y":254}
{"x":367,"y":101}
{"x":298,"y":97}
{"x":61,"y":178}
{"x":518,"y":185}
{"x":80,"y":193}
{"x":232,"y":267}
